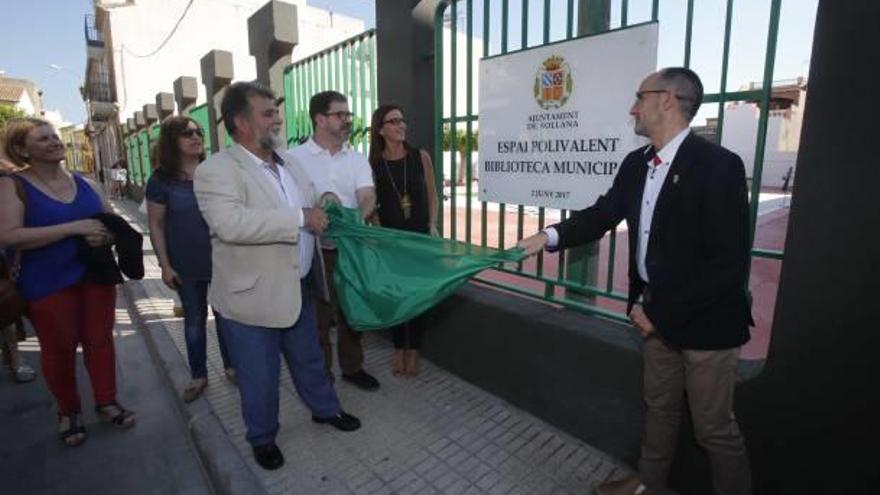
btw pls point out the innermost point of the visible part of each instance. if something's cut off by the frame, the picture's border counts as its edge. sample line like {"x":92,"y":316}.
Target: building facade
{"x":138,"y":48}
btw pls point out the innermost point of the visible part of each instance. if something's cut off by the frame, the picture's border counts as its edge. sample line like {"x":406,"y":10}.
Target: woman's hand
{"x":98,"y":240}
{"x":88,"y":227}
{"x":170,"y":277}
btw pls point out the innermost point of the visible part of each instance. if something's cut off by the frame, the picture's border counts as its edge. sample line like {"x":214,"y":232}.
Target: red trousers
{"x":80,"y":314}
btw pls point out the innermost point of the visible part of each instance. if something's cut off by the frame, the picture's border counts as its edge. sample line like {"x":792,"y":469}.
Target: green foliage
{"x":461,"y":139}
{"x":8,"y":112}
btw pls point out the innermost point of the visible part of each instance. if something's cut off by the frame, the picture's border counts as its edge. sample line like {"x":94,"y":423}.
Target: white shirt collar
{"x":315,"y":149}
{"x":668,"y":152}
{"x":258,"y":160}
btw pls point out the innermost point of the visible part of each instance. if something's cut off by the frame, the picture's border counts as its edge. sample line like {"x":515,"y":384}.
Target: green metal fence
{"x":348,"y":67}
{"x":454,"y":20}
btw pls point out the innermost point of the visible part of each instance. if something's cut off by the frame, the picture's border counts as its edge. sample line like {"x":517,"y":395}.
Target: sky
{"x":54,"y":33}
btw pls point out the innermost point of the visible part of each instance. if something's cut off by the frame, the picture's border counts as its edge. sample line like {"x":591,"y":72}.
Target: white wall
{"x":26,"y":105}
{"x":740,"y":132}
{"x":216,"y":24}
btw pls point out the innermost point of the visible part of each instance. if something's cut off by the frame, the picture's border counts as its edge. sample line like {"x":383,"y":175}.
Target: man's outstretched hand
{"x":531,"y":245}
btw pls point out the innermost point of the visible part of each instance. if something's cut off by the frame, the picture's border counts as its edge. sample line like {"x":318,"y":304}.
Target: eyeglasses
{"x":641,"y":94}
{"x":190,"y":132}
{"x":395,"y":121}
{"x":341,"y":115}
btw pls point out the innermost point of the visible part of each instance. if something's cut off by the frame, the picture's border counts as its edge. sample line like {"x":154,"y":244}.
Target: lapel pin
{"x":675,"y":179}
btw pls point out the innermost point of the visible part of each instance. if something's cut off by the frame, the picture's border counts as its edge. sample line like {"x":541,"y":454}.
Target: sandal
{"x":24,"y":374}
{"x":70,"y":431}
{"x":116,"y":414}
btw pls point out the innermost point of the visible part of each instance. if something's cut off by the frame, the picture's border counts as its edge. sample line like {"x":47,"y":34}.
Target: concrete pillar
{"x":272,"y":34}
{"x":151,"y":114}
{"x":130,"y":125}
{"x":164,"y":105}
{"x":405,"y":45}
{"x":810,"y":419}
{"x":139,"y":121}
{"x":186,"y":93}
{"x":216,"y":76}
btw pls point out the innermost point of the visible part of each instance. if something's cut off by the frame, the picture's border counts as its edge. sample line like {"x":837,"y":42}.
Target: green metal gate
{"x":496,"y":38}
{"x":348,"y":67}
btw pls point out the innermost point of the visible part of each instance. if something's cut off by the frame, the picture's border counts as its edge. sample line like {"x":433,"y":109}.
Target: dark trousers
{"x":194,"y":298}
{"x":408,"y":335}
{"x":256,"y":355}
{"x":348,"y":345}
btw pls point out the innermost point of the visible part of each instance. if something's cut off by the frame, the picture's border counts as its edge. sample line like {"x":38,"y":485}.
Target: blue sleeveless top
{"x":55,"y":266}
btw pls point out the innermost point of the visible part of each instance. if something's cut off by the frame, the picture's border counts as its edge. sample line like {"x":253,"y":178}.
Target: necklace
{"x":59,"y":195}
{"x":403,"y":199}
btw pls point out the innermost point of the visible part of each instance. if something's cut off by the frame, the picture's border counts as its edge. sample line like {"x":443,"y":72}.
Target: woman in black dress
{"x":407,"y":200}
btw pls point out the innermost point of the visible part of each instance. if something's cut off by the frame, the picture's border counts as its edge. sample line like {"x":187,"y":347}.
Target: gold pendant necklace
{"x":404,"y":199}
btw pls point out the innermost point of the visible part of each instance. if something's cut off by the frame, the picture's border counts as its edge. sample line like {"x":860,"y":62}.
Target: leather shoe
{"x":627,"y":486}
{"x":362,"y":380}
{"x":342,"y":421}
{"x":269,"y":456}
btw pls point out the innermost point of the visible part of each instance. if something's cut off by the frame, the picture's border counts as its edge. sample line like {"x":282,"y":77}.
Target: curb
{"x":227,"y":471}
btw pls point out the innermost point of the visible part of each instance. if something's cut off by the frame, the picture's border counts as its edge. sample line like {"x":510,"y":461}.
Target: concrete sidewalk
{"x":432,"y":434}
{"x":155,"y":456}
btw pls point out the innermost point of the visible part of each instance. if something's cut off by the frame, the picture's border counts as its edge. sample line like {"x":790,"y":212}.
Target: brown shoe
{"x":628,"y":486}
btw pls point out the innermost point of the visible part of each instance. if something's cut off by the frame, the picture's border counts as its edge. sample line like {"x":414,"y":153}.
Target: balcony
{"x":94,"y":38}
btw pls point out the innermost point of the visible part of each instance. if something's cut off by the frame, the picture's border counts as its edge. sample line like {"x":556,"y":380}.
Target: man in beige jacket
{"x":267,"y":271}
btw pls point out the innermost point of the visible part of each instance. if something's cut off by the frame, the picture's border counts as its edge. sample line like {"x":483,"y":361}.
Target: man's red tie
{"x":656,"y":160}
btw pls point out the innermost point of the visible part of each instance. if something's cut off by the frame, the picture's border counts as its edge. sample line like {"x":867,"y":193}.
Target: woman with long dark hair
{"x":407,"y":200}
{"x":182,"y":242}
{"x":48,"y":215}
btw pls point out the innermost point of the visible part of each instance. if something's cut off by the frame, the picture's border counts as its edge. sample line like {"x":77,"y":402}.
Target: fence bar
{"x":484,"y":216}
{"x":689,"y":29}
{"x":453,"y":127}
{"x":725,"y":59}
{"x":767,"y":89}
{"x":469,"y":98}
{"x":438,"y":108}
{"x":362,"y":56}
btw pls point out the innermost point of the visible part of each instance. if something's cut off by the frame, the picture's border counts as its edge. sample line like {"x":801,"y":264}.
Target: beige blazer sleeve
{"x":221,"y":190}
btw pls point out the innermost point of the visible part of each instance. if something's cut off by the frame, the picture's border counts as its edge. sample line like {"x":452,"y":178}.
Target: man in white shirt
{"x":345,"y":176}
{"x":686,"y":205}
{"x":262,"y":213}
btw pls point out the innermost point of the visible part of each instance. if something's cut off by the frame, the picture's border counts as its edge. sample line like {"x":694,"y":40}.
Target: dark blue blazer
{"x":698,"y":254}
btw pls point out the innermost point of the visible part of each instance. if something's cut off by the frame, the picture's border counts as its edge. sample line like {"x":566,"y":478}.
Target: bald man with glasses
{"x":685,"y":203}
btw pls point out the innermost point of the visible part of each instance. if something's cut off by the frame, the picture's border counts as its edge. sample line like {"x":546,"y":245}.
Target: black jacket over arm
{"x":101,"y":265}
{"x":698,"y":252}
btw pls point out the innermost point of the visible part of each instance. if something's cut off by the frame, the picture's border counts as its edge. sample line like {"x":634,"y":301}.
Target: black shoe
{"x":269,"y":456}
{"x":362,"y":380}
{"x":342,"y":421}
